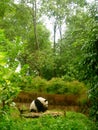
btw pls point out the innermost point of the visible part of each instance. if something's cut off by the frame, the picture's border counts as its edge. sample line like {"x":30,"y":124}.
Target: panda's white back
{"x":33,"y":106}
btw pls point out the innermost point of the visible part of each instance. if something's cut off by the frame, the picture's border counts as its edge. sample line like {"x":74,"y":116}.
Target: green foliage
{"x":43,"y":38}
{"x":37,"y":84}
{"x":19,"y":29}
{"x":89,"y":63}
{"x":93,"y":96}
{"x":81,"y":43}
{"x":8,"y":88}
{"x":4,"y":5}
{"x":72,"y":121}
{"x":5,"y":123}
{"x":7,"y":118}
{"x":53,"y":86}
{"x":59,"y":86}
{"x":77,"y":87}
{"x":2,"y":58}
{"x":75,"y":55}
{"x":42,"y":64}
{"x":9,"y":51}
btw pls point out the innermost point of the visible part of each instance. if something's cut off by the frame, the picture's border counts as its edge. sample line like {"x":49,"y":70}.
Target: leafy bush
{"x":8,"y":84}
{"x":37,"y":84}
{"x":55,"y":85}
{"x":72,"y":121}
{"x":8,"y":89}
{"x":59,"y":86}
{"x":76,"y":87}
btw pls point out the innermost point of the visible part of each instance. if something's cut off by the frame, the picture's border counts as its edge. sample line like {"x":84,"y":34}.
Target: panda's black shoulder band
{"x":39,"y":106}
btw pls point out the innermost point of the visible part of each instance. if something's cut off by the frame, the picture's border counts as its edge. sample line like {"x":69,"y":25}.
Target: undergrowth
{"x":72,"y":121}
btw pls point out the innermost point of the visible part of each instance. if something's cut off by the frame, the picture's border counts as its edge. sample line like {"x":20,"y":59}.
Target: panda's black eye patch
{"x":46,"y":100}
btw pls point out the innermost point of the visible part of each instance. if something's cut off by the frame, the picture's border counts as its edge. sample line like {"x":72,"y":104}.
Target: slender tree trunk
{"x":60,"y":32}
{"x":54,"y":44}
{"x":35,"y":25}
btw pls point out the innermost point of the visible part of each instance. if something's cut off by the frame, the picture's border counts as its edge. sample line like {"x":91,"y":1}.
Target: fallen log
{"x":37,"y":115}
{"x":31,"y":115}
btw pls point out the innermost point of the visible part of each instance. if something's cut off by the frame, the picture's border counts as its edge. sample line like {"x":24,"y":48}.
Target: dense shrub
{"x":53,"y":86}
{"x":37,"y":84}
{"x":72,"y":121}
{"x":76,"y":87}
{"x":59,"y":86}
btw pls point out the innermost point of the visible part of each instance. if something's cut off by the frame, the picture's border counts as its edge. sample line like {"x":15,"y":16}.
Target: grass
{"x":72,"y":121}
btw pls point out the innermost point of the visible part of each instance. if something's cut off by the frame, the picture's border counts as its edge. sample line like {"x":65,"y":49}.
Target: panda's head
{"x":40,"y":104}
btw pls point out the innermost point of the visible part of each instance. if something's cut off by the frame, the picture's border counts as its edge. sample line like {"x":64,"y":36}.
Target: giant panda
{"x":40,"y":104}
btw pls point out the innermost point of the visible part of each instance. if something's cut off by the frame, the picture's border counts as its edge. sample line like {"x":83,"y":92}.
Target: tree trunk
{"x":60,"y":32}
{"x":54,"y":44}
{"x":35,"y":25}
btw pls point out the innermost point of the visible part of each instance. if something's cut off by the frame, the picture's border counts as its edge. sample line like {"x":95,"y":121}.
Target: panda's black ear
{"x":46,"y":100}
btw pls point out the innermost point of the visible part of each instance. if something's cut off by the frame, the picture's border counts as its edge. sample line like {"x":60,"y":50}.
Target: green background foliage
{"x":67,"y":64}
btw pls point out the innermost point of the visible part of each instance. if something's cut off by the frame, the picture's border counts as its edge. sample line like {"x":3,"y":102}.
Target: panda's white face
{"x":43,"y":101}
